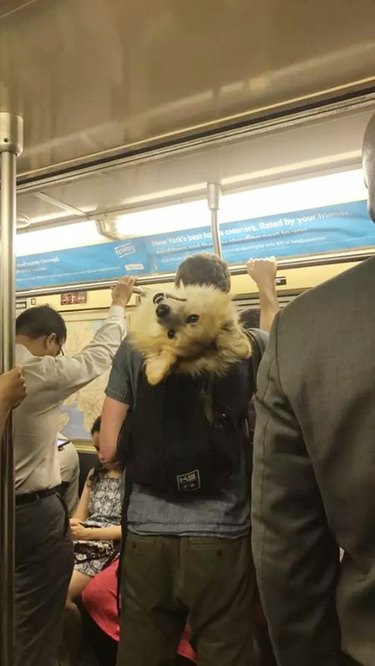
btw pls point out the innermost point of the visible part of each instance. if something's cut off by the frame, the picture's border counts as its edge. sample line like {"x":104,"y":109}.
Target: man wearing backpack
{"x":184,"y":557}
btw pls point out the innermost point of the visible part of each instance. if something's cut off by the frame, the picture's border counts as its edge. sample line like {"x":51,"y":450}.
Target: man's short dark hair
{"x":96,"y":425}
{"x":200,"y":269}
{"x":39,"y":321}
{"x":250,"y":318}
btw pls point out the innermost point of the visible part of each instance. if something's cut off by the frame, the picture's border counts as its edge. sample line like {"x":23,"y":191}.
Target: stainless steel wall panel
{"x":95,"y":76}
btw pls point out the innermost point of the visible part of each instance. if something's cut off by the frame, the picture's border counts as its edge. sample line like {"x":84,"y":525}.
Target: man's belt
{"x":29,"y":498}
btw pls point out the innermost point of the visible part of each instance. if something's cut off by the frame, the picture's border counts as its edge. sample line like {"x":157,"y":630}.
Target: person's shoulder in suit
{"x":335,"y":293}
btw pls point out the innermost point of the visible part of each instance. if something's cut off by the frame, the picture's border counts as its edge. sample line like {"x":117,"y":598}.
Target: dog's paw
{"x":158,"y":367}
{"x":234,"y":341}
{"x":243,"y":348}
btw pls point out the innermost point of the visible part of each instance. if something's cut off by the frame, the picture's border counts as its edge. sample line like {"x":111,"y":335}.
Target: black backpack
{"x":195,"y":455}
{"x":184,"y":438}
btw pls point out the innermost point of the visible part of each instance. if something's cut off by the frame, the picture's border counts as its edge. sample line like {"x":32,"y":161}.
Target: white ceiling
{"x":102,"y":77}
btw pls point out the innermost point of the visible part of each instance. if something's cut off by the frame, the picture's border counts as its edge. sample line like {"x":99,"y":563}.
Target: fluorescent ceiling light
{"x":57,"y":238}
{"x":335,"y":188}
{"x":176,"y":217}
{"x":314,"y":192}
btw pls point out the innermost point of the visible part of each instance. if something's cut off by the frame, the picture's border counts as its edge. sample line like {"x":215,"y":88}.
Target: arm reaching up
{"x":70,"y":373}
{"x":263,"y":272}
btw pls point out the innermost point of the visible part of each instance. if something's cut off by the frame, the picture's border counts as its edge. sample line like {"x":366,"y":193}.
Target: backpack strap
{"x":258,"y":340}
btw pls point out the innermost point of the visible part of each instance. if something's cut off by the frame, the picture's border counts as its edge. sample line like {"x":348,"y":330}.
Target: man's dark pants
{"x":44,"y":564}
{"x":167,"y":580}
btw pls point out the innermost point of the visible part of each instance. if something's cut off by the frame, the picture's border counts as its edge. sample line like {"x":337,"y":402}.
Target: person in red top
{"x":100,"y":603}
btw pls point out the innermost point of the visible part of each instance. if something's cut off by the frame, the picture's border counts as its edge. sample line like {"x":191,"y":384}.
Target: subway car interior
{"x":144,"y":132}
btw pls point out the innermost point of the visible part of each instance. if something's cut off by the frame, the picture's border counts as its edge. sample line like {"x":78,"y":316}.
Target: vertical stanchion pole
{"x":213,"y":200}
{"x":11,"y":139}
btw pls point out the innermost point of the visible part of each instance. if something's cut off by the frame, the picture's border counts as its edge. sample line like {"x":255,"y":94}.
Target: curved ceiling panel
{"x":94,"y":76}
{"x":313,"y":148}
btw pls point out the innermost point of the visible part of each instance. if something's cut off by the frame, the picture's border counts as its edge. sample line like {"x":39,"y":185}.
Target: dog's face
{"x":186,"y":329}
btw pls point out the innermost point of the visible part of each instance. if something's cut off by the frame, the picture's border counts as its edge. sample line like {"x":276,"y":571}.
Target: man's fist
{"x":262,"y":271}
{"x":122,"y":291}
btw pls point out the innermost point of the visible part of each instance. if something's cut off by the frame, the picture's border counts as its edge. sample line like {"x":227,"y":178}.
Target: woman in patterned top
{"x":96,"y":531}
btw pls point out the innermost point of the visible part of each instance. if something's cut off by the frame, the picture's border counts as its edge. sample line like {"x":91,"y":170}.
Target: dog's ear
{"x":232,"y":339}
{"x":158,"y":366}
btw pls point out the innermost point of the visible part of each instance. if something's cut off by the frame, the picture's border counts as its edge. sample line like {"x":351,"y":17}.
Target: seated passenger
{"x":100,"y":603}
{"x":96,"y":531}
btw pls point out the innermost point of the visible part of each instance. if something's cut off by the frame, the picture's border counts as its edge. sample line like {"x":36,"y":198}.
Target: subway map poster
{"x":81,"y":409}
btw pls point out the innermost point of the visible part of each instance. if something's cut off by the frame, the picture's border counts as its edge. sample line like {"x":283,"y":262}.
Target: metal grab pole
{"x":11,"y":130}
{"x":213,"y":200}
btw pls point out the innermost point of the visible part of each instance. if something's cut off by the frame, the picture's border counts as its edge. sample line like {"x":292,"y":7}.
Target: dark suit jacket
{"x":314,"y":475}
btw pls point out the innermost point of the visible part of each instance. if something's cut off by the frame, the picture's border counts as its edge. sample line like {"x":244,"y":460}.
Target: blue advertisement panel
{"x":166,"y":251}
{"x":106,"y":261}
{"x":315,"y":231}
{"x":327,"y":229}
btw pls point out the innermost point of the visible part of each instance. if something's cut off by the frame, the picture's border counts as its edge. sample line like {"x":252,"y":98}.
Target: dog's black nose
{"x":162,"y":310}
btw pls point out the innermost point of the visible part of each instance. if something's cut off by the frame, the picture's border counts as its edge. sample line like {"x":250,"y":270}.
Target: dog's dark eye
{"x":171,"y":334}
{"x":192,"y":319}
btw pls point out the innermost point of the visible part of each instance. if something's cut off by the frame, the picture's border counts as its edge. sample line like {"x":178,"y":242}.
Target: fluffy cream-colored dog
{"x":189,"y":330}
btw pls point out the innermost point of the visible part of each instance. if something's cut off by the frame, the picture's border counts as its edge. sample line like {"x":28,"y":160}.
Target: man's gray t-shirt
{"x":227,"y":515}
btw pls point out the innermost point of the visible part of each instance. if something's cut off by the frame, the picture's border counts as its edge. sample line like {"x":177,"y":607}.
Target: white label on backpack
{"x":188,"y":482}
